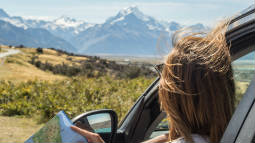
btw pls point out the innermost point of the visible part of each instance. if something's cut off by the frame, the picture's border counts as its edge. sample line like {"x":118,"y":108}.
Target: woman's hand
{"x":91,"y":137}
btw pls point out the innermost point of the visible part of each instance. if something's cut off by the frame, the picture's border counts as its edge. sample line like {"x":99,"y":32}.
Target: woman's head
{"x":197,"y":88}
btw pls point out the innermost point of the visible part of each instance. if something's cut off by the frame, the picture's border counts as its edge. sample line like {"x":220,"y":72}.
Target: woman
{"x":196,"y":89}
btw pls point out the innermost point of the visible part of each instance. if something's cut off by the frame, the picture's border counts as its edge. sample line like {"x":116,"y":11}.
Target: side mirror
{"x":104,"y":122}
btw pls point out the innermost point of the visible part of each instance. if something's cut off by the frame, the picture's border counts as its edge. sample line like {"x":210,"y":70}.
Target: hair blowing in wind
{"x":197,"y":87}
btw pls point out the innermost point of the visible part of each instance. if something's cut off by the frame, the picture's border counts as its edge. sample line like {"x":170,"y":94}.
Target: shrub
{"x":39,"y":50}
{"x":38,"y":64}
{"x":95,"y":67}
{"x":74,"y":96}
{"x":20,"y":46}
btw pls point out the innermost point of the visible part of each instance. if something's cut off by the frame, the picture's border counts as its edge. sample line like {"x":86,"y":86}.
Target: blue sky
{"x":97,"y":11}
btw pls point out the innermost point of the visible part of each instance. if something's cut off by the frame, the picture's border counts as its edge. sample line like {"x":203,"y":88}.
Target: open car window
{"x":244,"y":71}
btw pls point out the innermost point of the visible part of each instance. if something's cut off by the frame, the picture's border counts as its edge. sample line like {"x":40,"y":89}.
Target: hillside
{"x":51,"y":64}
{"x":17,"y":68}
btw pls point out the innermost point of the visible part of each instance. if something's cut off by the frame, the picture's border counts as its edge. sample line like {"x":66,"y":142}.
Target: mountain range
{"x":130,"y":32}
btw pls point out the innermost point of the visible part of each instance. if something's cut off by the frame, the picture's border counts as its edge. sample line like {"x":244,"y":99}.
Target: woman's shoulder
{"x":196,"y":138}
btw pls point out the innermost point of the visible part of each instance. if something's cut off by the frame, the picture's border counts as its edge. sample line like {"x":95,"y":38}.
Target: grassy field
{"x":18,"y":72}
{"x":17,"y":67}
{"x":2,"y":50}
{"x":16,"y":129}
{"x":52,"y":56}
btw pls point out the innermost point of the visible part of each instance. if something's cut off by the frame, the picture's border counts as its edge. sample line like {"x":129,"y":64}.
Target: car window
{"x":244,"y":69}
{"x":243,"y":72}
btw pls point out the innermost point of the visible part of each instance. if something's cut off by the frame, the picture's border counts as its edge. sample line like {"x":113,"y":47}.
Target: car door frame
{"x":247,"y":131}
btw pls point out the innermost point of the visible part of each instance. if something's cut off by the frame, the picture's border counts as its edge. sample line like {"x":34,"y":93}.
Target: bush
{"x":20,"y":46}
{"x":95,"y":67}
{"x":38,"y":64}
{"x":39,"y":50}
{"x":74,"y":96}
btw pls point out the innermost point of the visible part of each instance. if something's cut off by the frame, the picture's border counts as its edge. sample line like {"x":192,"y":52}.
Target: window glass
{"x":244,"y":70}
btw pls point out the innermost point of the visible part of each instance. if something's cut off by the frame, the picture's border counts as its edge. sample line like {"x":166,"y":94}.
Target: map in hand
{"x":57,"y":130}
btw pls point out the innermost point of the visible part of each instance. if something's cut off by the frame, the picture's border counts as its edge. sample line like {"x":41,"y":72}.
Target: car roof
{"x":240,"y":33}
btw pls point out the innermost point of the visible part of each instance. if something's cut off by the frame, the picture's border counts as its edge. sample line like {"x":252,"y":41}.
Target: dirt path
{"x":9,"y":52}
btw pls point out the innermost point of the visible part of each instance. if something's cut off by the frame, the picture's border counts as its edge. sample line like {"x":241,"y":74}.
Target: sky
{"x":97,"y":11}
{"x":97,"y":118}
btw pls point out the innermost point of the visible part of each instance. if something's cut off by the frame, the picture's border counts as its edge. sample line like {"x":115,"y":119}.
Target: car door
{"x":242,"y":122}
{"x":145,"y":115}
{"x":240,"y":126}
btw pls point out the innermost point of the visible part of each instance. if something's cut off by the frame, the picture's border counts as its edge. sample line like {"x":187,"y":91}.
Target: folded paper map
{"x":57,"y":130}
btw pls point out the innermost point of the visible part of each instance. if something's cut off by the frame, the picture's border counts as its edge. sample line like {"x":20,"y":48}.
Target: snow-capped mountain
{"x":63,"y":27}
{"x":31,"y":37}
{"x":173,"y":26}
{"x":3,"y":13}
{"x":132,"y":15}
{"x":129,"y":32}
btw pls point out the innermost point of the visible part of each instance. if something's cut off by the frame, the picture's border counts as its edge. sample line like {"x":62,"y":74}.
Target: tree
{"x":39,"y":50}
{"x":21,"y":46}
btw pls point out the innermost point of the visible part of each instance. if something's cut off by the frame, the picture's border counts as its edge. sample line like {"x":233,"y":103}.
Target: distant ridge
{"x":3,"y":13}
{"x":31,"y":37}
{"x":130,"y":32}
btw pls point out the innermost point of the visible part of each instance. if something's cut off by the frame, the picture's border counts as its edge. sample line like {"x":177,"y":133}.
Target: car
{"x":145,"y":119}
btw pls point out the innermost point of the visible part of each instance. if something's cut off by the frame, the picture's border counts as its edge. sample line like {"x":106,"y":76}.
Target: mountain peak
{"x":133,"y":10}
{"x":66,"y":18}
{"x":173,"y":26}
{"x":198,"y":26}
{"x":65,"y":21}
{"x":3,"y":13}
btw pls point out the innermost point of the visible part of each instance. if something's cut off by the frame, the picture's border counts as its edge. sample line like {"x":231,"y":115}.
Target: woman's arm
{"x":95,"y":138}
{"x":158,"y":139}
{"x":91,"y":137}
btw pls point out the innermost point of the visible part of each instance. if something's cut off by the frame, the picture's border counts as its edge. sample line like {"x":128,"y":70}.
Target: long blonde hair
{"x":197,"y":88}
